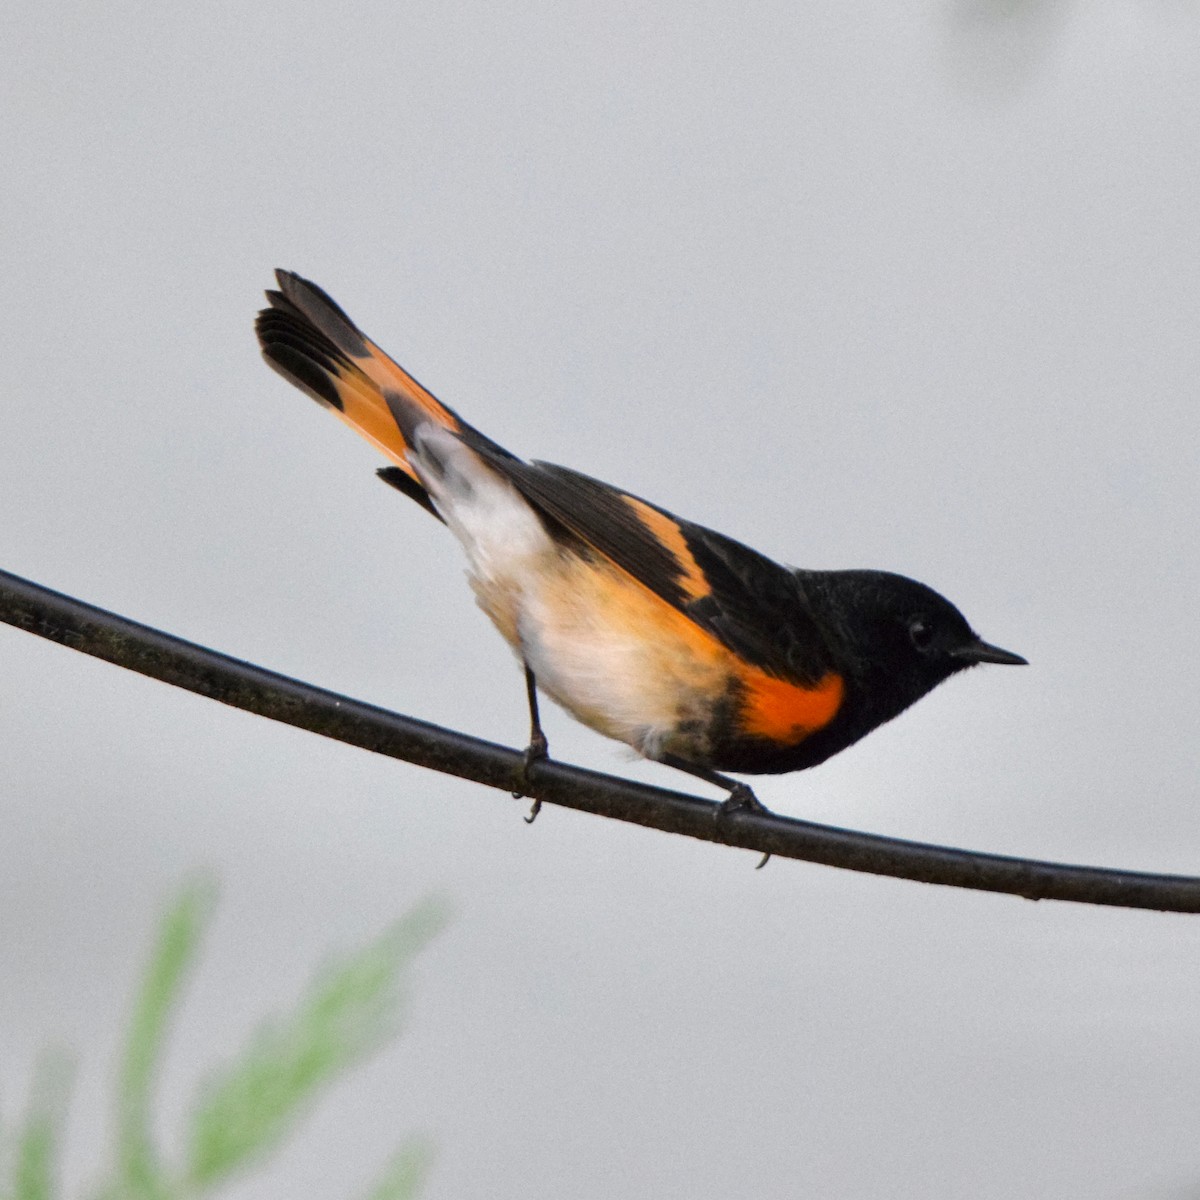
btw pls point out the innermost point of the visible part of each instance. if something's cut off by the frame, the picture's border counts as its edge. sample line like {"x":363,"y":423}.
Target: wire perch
{"x":126,"y":643}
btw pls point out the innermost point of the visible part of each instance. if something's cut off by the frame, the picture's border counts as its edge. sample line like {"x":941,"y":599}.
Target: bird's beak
{"x":980,"y":651}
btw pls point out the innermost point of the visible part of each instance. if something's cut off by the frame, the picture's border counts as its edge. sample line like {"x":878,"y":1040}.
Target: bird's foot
{"x":741,"y":799}
{"x":537,"y":750}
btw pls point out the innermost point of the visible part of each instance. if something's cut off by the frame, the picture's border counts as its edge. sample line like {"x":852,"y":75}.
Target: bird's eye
{"x":921,"y":632}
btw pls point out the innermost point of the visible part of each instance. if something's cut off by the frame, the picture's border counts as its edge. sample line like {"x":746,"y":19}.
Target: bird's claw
{"x":537,"y":750}
{"x":741,"y":799}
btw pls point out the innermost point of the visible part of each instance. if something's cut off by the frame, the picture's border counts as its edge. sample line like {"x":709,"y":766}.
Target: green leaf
{"x":349,"y":1011}
{"x":39,"y":1140}
{"x":139,"y":1174}
{"x":405,"y":1174}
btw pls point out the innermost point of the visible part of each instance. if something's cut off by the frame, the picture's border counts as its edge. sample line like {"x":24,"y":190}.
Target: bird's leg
{"x":538,"y":747}
{"x":740,"y":799}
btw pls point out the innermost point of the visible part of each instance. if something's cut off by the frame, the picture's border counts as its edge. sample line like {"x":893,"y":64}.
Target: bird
{"x":686,"y":645}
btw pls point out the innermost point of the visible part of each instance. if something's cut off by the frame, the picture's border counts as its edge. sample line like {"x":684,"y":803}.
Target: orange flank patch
{"x":673,"y":649}
{"x":615,"y":654}
{"x":691,"y":578}
{"x":787,"y":713}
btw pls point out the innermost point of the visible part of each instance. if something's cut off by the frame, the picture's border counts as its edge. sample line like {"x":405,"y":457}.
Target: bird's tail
{"x":311,"y":342}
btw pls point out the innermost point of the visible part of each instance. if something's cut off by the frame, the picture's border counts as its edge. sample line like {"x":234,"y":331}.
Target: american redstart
{"x":683,"y":643}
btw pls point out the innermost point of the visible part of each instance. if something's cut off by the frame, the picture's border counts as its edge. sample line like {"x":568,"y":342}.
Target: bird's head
{"x":900,"y":638}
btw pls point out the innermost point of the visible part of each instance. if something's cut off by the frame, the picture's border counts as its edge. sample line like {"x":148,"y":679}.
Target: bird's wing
{"x":752,"y":605}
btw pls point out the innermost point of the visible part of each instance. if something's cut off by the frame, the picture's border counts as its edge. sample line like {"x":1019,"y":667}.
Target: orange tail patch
{"x":311,"y":342}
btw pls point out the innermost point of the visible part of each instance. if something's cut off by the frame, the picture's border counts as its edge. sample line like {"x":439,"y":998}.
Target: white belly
{"x":613,"y":654}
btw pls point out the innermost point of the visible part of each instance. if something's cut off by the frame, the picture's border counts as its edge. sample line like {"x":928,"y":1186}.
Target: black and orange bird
{"x":690,"y":647}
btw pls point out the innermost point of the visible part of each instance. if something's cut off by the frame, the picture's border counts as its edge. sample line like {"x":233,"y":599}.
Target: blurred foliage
{"x":36,"y":1147}
{"x":249,"y":1106}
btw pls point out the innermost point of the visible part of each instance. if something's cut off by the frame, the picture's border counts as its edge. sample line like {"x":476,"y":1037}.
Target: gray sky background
{"x":912,"y":287}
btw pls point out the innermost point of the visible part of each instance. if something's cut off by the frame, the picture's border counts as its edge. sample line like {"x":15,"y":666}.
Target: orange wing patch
{"x":667,"y":532}
{"x":786,"y":713}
